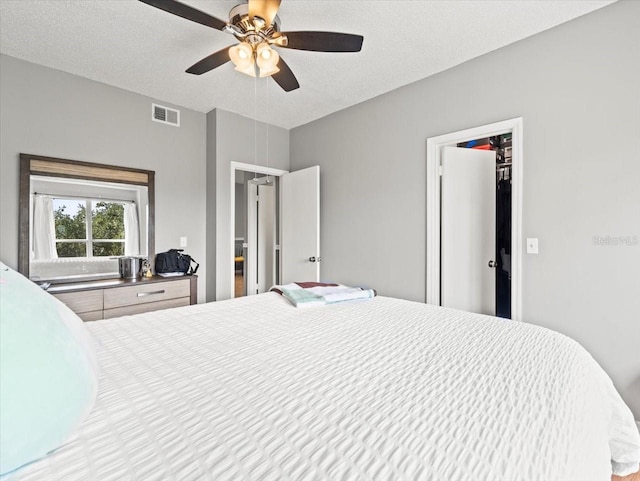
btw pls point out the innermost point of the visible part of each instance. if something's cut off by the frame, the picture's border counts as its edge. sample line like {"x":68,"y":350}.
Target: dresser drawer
{"x":146,"y":307}
{"x":146,"y":293}
{"x":82,"y":301}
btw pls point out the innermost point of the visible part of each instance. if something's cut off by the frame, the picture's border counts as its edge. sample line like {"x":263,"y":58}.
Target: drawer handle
{"x":144,"y":294}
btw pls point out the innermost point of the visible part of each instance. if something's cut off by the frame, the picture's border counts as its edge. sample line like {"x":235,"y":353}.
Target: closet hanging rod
{"x":81,"y":197}
{"x":503,"y":166}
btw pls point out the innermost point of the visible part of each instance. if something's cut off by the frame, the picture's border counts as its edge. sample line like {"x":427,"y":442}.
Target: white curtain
{"x":44,"y":228}
{"x":131,"y":230}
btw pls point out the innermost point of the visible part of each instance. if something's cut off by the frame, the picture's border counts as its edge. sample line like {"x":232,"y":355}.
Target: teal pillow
{"x":48,"y":371}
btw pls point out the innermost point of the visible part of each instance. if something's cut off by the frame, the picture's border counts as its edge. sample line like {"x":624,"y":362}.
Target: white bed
{"x":380,"y":389}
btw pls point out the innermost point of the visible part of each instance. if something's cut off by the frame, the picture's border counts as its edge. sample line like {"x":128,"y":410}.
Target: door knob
{"x":493,"y":264}
{"x":315,"y":259}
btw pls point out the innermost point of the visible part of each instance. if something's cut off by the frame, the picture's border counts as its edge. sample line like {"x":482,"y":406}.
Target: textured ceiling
{"x":139,"y":48}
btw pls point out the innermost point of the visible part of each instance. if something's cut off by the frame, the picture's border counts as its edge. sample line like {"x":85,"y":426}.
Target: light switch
{"x":532,"y":246}
{"x":183,"y":242}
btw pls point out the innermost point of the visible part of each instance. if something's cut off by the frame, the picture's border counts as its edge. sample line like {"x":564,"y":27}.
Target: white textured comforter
{"x":379,"y":389}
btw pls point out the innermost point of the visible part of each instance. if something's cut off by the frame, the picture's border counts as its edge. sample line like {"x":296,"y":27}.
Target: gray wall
{"x":52,"y":113}
{"x":576,"y":86}
{"x":235,"y":143}
{"x":211,"y":206}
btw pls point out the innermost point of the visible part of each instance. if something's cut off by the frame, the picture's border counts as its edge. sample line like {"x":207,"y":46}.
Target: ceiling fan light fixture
{"x":250,"y":70}
{"x":241,"y":55}
{"x":267,"y":59}
{"x":246,"y":60}
{"x":268,"y":72}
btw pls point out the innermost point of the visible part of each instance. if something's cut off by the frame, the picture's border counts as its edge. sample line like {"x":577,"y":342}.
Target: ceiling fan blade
{"x":185,"y":11}
{"x":323,"y":41}
{"x":209,"y":63}
{"x":265,"y":9}
{"x":285,"y":77}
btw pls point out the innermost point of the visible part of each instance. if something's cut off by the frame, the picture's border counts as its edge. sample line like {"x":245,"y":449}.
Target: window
{"x":101,"y":233}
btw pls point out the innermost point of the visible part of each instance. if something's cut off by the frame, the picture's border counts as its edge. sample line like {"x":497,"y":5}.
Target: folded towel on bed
{"x":307,"y":294}
{"x":342,"y":293}
{"x":303,"y":298}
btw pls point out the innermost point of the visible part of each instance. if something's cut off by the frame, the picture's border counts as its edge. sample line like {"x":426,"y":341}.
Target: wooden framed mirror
{"x":75,"y":218}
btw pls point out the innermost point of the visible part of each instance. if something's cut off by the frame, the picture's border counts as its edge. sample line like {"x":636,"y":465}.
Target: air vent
{"x":165,"y":115}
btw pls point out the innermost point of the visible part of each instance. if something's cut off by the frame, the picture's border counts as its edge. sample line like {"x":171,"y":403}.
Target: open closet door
{"x":300,"y":242}
{"x":468,"y":230}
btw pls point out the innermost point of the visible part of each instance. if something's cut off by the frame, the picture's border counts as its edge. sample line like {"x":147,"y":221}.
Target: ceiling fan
{"x":257,"y":26}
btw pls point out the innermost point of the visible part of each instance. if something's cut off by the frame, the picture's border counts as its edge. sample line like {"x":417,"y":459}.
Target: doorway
{"x":261,"y":242}
{"x":256,"y":229}
{"x":458,"y":236}
{"x":254,"y":261}
{"x":476,"y":204}
{"x":296,"y":252}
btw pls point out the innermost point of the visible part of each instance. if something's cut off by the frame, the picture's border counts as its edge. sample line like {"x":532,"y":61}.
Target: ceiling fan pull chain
{"x":255,"y":127}
{"x":267,"y":126}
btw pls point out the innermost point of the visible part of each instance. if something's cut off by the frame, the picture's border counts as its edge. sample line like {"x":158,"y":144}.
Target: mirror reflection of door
{"x":255,"y":252}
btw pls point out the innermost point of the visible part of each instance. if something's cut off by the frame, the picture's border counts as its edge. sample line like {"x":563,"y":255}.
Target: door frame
{"x":434,"y":162}
{"x":258,"y":169}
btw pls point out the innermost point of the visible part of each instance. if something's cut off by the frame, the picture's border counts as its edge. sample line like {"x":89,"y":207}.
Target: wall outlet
{"x":183,"y":242}
{"x":532,"y":246}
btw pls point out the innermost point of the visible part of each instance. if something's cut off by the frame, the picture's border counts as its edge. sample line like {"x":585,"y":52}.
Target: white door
{"x":300,"y":243}
{"x":468,"y":230}
{"x":261,"y":237}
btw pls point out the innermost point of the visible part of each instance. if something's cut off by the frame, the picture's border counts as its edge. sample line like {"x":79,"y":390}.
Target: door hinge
{"x":441,"y":170}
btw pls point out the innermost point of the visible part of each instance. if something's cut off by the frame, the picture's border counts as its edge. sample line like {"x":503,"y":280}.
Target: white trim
{"x":434,"y":148}
{"x":258,"y":169}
